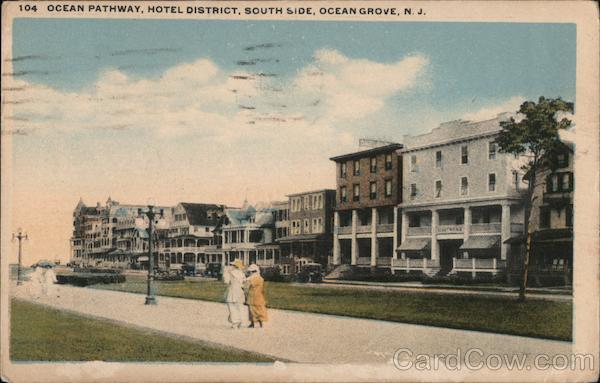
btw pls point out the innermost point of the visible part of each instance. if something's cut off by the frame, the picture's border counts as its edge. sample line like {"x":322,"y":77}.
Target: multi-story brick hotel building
{"x":366,"y":213}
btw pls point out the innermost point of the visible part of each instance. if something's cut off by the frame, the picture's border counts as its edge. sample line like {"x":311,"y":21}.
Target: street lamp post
{"x":20,"y":236}
{"x":151,"y":214}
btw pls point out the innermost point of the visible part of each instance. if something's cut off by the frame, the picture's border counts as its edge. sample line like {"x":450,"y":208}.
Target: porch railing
{"x":486,"y":227}
{"x":423,"y":230}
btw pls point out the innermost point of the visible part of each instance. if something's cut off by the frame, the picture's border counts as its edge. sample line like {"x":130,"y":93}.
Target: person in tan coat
{"x":256,"y":297}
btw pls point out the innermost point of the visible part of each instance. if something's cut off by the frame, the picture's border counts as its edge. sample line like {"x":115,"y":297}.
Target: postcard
{"x":299,"y":191}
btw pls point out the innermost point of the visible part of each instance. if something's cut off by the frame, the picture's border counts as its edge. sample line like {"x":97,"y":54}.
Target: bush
{"x":169,"y":277}
{"x":96,"y":270}
{"x":464,"y":279}
{"x":273,"y":274}
{"x":87,"y":279}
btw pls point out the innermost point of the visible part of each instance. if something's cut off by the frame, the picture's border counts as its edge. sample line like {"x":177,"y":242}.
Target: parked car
{"x":188,"y":269}
{"x":310,"y":273}
{"x":213,"y":270}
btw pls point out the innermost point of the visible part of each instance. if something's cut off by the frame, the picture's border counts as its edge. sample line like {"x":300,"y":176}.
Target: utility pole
{"x":20,"y":236}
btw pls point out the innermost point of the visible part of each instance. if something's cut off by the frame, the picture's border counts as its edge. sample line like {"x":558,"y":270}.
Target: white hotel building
{"x":461,"y":200}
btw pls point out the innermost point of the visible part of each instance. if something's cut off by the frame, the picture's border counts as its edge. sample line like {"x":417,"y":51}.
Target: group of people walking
{"x":245,"y":288}
{"x":42,"y":282}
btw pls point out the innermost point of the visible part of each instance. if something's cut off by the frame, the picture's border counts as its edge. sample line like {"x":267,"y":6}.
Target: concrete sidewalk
{"x":291,"y":335}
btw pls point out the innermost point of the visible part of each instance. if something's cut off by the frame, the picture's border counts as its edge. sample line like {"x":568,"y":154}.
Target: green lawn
{"x":44,"y":334}
{"x":536,"y":318}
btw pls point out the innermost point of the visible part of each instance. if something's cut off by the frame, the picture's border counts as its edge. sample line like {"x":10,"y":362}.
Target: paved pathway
{"x":292,"y":336}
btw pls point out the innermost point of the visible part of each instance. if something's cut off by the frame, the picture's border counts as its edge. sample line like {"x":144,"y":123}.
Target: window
{"x":414,"y":220}
{"x":356,"y":167}
{"x":569,"y":216}
{"x":566,"y":182}
{"x":464,"y":154}
{"x":373,"y":164}
{"x":343,"y":195}
{"x":491,"y":182}
{"x":413,"y":191}
{"x":438,"y":159}
{"x":372,"y":190}
{"x":438,"y":189}
{"x":356,"y":192}
{"x":562,"y":160}
{"x":307,"y":202}
{"x":306,"y":226}
{"x":492,"y":149}
{"x":545,"y":217}
{"x":388,"y":188}
{"x":552,"y":183}
{"x":388,"y":162}
{"x":413,"y":163}
{"x":464,"y":186}
{"x":343,"y":170}
{"x":516,"y":179}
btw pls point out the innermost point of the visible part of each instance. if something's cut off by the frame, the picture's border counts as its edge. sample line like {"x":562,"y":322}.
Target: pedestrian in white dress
{"x":48,"y":287}
{"x":234,"y":278}
{"x":36,"y":280}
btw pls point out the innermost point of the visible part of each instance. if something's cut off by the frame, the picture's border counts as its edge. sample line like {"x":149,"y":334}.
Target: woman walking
{"x":234,"y":278}
{"x":256,"y":297}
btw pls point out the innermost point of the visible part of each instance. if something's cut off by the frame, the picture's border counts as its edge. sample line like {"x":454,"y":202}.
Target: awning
{"x":301,"y":238}
{"x":415,"y":244}
{"x":481,"y":242}
{"x":515,"y":240}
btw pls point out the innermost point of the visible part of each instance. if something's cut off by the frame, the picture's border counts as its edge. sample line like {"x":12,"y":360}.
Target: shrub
{"x":87,"y":279}
{"x":465,"y":279}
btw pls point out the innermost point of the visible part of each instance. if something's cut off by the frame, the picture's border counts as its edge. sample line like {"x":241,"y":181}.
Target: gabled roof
{"x":197,"y":213}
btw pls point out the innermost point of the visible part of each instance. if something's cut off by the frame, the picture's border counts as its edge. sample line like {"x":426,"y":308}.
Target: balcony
{"x":362,"y":229}
{"x":478,"y":264}
{"x":363,"y":261}
{"x":344,"y":230}
{"x":422,"y":230}
{"x":385,"y":228}
{"x":495,"y":228}
{"x":450,"y":229}
{"x":414,"y":263}
{"x":384,"y":261}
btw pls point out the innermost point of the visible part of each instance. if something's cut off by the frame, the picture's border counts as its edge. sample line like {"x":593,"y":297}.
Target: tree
{"x":534,"y":136}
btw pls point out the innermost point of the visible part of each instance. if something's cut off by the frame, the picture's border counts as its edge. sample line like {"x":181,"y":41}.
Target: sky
{"x":223,"y":111}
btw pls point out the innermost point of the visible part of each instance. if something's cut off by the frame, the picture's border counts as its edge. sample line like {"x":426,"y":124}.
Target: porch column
{"x":354,"y":249}
{"x":435,"y":251}
{"x":395,"y":239}
{"x":404,"y":227}
{"x":246,"y":255}
{"x":336,"y":240}
{"x":505,"y":247}
{"x":466,"y":226}
{"x":374,"y":247}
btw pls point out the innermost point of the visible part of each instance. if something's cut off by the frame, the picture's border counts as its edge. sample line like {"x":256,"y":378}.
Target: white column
{"x":395,"y":240}
{"x":354,"y":250}
{"x":374,"y":247}
{"x":467,"y":225}
{"x":504,"y":247}
{"x":435,"y":250}
{"x":404,"y":228}
{"x":336,"y":241}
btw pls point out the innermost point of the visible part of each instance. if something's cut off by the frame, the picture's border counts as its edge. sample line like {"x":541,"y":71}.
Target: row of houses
{"x":444,"y":202}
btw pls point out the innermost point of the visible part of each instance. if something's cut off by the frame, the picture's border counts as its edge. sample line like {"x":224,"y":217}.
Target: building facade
{"x":107,"y":236}
{"x":189,"y":234}
{"x":310,"y":234}
{"x":552,"y":221}
{"x":461,"y":200}
{"x":366,"y":214}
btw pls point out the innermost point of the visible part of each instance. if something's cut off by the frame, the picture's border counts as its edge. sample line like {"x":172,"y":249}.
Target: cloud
{"x":200,"y":98}
{"x":490,"y":111}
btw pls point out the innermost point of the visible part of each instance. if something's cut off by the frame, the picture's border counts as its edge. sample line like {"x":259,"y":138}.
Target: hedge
{"x":87,"y":279}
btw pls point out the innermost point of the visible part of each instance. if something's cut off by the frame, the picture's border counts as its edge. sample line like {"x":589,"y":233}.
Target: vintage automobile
{"x":310,"y":273}
{"x":213,"y":270}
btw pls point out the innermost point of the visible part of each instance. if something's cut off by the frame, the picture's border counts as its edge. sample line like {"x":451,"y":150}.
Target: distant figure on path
{"x":256,"y":297}
{"x":36,"y":281}
{"x":234,"y":278}
{"x":48,"y":285}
